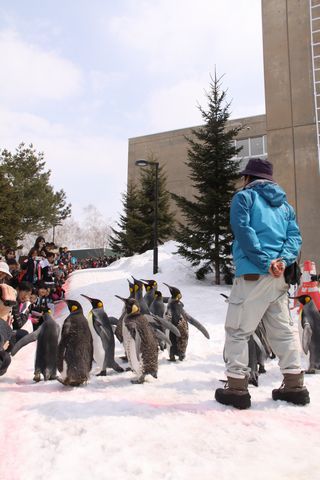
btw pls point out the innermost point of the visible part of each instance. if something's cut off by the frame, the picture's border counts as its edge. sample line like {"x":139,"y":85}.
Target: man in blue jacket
{"x":266,"y":240}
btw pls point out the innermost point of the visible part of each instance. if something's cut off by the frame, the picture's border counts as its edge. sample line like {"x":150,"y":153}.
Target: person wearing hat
{"x":4,"y":271}
{"x":266,"y":240}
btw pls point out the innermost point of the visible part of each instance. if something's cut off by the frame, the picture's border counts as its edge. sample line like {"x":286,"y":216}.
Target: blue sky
{"x":79,"y":78}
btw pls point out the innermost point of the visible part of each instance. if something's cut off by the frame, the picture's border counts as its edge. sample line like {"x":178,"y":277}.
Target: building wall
{"x":289,"y":123}
{"x":171,"y":151}
{"x":290,"y":111}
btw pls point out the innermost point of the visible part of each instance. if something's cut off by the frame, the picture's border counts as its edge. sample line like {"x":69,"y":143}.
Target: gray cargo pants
{"x":249,"y":302}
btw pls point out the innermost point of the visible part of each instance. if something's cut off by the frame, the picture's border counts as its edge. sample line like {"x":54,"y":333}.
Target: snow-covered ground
{"x":170,"y":428}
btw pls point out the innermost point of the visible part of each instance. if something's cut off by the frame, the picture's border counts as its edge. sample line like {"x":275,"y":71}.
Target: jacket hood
{"x":270,"y":191}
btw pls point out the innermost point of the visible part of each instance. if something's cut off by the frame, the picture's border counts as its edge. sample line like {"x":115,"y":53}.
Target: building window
{"x":252,"y":147}
{"x":245,"y":147}
{"x":256,"y":146}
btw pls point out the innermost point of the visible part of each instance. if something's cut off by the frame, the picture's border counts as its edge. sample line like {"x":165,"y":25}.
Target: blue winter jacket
{"x":264,"y":227}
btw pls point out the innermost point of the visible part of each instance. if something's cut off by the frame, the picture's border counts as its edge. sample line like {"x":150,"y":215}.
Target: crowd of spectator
{"x":39,"y":278}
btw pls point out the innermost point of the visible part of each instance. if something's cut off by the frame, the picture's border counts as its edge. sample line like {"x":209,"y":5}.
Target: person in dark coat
{"x":29,"y":268}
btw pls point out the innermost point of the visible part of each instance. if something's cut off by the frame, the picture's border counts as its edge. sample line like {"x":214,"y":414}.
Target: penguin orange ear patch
{"x":178,"y":296}
{"x":100,"y":304}
{"x":74,"y":308}
{"x":134,"y":309}
{"x":308,"y":299}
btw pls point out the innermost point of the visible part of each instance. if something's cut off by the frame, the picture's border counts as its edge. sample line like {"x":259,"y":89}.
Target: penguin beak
{"x":121,"y":298}
{"x":170,"y":288}
{"x":85,"y":296}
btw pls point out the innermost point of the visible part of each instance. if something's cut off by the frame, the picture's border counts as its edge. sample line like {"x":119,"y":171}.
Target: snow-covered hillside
{"x":169,"y":428}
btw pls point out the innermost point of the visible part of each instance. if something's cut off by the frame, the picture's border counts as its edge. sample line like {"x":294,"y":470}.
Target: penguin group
{"x":149,"y":323}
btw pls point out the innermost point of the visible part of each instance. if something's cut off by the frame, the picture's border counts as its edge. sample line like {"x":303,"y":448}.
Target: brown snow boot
{"x":235,"y":393}
{"x":292,"y":389}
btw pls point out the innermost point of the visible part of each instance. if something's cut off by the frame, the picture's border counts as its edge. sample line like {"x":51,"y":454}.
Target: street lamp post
{"x":145,"y":163}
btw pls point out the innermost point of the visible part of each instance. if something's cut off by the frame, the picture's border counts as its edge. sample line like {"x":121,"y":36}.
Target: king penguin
{"x":47,"y":336}
{"x":180,"y":318}
{"x":310,"y":322}
{"x":150,"y":287}
{"x":103,"y":337}
{"x":157,"y":306}
{"x":138,"y":295}
{"x":139,"y":341}
{"x":75,"y":350}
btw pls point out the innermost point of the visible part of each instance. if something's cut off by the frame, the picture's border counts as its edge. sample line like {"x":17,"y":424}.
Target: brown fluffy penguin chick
{"x":175,"y":314}
{"x":139,"y":342}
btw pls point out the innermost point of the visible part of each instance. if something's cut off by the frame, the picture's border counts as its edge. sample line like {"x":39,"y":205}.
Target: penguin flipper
{"x":162,"y":337}
{"x":306,"y":337}
{"x":164,"y":324}
{"x":196,"y":324}
{"x":31,"y":337}
{"x":114,"y":321}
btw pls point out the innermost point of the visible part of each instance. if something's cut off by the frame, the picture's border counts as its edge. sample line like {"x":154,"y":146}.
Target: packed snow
{"x":169,"y":428}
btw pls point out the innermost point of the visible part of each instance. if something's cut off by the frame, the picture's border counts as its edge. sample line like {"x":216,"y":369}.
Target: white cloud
{"x":91,"y":169}
{"x":180,"y":42}
{"x":182,"y":34}
{"x":30,"y":74}
{"x":176,"y":106}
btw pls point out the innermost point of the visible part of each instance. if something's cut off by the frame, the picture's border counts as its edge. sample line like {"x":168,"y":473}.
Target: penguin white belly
{"x":64,"y":370}
{"x":98,"y":350}
{"x":130,"y":349}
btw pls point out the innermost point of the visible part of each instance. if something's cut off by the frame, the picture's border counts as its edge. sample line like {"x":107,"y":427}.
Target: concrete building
{"x":288,"y":134}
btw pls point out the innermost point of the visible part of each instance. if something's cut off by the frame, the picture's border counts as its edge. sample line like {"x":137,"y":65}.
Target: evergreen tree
{"x":136,"y":233}
{"x":126,"y":240}
{"x":31,"y":204}
{"x":147,"y":206}
{"x":206,"y":237}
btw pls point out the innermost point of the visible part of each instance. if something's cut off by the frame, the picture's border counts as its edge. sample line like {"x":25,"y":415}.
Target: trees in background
{"x":29,"y":203}
{"x":135,"y":232}
{"x":205,"y":238}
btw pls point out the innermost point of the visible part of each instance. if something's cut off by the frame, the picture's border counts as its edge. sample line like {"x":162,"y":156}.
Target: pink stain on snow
{"x":287,"y":418}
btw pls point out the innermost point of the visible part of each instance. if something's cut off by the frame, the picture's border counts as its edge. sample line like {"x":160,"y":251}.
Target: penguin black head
{"x":47,"y":315}
{"x":158,"y":294}
{"x":131,"y":305}
{"x":175,"y":292}
{"x":74,"y":306}
{"x":95,"y":302}
{"x":137,"y":285}
{"x":303,"y":299}
{"x":149,"y":284}
{"x":131,"y":286}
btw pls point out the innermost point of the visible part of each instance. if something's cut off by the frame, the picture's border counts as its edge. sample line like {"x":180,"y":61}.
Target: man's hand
{"x":277,"y":267}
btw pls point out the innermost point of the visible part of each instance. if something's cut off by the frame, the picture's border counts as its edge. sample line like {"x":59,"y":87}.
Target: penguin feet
{"x":36,"y":377}
{"x":154,"y":374}
{"x":310,"y":371}
{"x":182,"y":357}
{"x":128,"y":369}
{"x":262,"y":369}
{"x":253,"y":380}
{"x":103,"y":373}
{"x":117,"y":368}
{"x":172,"y":358}
{"x":138,"y":380}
